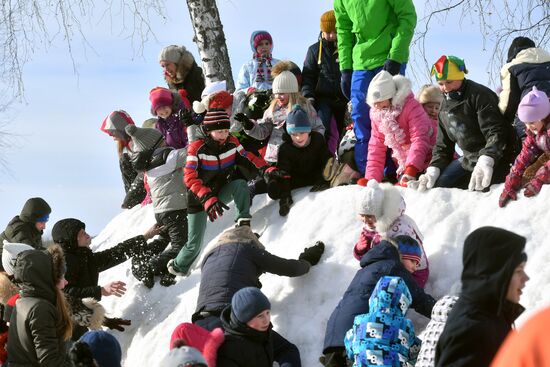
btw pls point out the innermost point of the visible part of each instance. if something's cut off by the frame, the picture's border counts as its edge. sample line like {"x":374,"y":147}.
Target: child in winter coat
{"x":398,"y":122}
{"x":114,"y":126}
{"x":527,"y":66}
{"x":430,"y":97}
{"x":383,"y":259}
{"x":534,"y":111}
{"x":210,"y":176}
{"x":272,"y":125}
{"x":382,"y":210}
{"x":40,"y":324}
{"x":300,"y":161}
{"x":384,"y":336}
{"x":166,"y":104}
{"x":214,"y":96}
{"x":256,"y":73}
{"x":181,"y":71}
{"x":248,"y":333}
{"x":163,"y":168}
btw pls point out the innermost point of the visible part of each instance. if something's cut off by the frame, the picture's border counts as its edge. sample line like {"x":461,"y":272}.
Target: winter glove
{"x":185,"y":116}
{"x":362,"y":181}
{"x":510,"y":192}
{"x":273,"y":173}
{"x":345,"y":83}
{"x":320,"y":186}
{"x":409,"y":175}
{"x":313,"y":254}
{"x":427,"y":180}
{"x":244,"y":120}
{"x":483,"y":171}
{"x":215,"y":209}
{"x":116,"y":323}
{"x":392,"y":67}
{"x":533,"y":187}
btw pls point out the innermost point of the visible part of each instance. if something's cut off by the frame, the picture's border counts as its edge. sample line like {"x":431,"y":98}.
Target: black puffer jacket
{"x":244,"y":346}
{"x":237,"y":262}
{"x":322,"y":80}
{"x":482,"y":317}
{"x":473,"y":122}
{"x":33,"y":339}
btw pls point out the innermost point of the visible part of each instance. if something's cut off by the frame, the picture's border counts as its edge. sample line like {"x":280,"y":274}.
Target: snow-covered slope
{"x":301,"y":306}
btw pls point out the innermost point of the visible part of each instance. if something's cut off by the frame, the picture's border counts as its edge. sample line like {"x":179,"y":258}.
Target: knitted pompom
{"x":199,"y":107}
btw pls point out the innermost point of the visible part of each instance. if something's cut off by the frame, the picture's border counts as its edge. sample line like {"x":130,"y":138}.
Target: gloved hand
{"x":345,"y":83}
{"x":533,"y":187}
{"x":320,"y":186}
{"x":272,"y":173}
{"x":510,"y":192}
{"x":362,"y":181}
{"x":392,"y":67}
{"x":483,"y":171}
{"x":185,"y":116}
{"x":116,"y":323}
{"x":427,"y":180}
{"x":215,"y":210}
{"x":247,"y":123}
{"x":409,"y":175}
{"x":313,"y":254}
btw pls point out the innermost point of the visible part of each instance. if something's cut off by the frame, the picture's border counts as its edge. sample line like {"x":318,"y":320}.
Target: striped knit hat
{"x":408,"y":248}
{"x":215,"y":119}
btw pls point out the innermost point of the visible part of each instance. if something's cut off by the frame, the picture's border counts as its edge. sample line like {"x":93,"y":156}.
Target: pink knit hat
{"x":534,"y":106}
{"x":160,"y":97}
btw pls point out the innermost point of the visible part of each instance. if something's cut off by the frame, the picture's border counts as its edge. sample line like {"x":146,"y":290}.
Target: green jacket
{"x":373,"y":31}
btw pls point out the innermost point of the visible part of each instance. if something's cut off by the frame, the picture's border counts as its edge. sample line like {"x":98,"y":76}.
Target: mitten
{"x":273,"y":173}
{"x":116,"y":323}
{"x":533,"y":187}
{"x":427,"y":180}
{"x":362,"y":181}
{"x":313,"y":254}
{"x":215,"y":210}
{"x":482,"y":174}
{"x":185,"y":116}
{"x":392,"y":67}
{"x":244,"y":120}
{"x":345,"y":83}
{"x":511,"y":187}
{"x":320,"y":186}
{"x":409,"y":175}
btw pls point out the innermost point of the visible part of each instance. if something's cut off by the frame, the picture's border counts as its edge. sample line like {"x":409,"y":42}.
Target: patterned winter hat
{"x":285,"y":82}
{"x":381,"y":88}
{"x":535,"y":106}
{"x":247,"y":303}
{"x":215,"y":119}
{"x":115,"y":123}
{"x":160,"y":97}
{"x":105,"y":348}
{"x":9,"y":254}
{"x":408,"y":248}
{"x":371,"y":198}
{"x":184,"y":356}
{"x":429,"y":93}
{"x":328,"y":22}
{"x":65,"y":232}
{"x":144,"y":138}
{"x":172,"y":53}
{"x":297,"y":121}
{"x":449,"y":68}
{"x":390,"y":296}
{"x":257,"y":37}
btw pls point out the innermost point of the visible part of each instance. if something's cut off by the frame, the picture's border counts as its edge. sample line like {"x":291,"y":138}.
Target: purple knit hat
{"x":534,"y":106}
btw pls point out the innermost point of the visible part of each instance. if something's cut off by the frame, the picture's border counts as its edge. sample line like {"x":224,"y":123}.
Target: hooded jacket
{"x":482,"y":317}
{"x":236,"y":262}
{"x":189,"y":76}
{"x":247,"y":76}
{"x":380,"y":261}
{"x":33,"y":339}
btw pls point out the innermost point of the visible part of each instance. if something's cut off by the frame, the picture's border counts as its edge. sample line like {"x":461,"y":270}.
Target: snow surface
{"x":301,"y":306}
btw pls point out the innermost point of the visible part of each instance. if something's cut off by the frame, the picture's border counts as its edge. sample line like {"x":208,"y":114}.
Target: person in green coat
{"x":372,"y":36}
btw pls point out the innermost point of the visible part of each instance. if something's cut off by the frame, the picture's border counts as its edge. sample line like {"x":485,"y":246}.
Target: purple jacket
{"x":173,"y":130}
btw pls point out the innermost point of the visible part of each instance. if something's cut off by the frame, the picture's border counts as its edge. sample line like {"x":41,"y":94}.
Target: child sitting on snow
{"x":300,"y":162}
{"x":382,"y":210}
{"x":166,"y":105}
{"x":210,"y":174}
{"x":534,"y":111}
{"x":163,"y":173}
{"x":384,"y":336}
{"x":398,"y":122}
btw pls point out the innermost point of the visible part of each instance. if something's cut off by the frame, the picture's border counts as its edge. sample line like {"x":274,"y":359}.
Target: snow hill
{"x":301,"y":306}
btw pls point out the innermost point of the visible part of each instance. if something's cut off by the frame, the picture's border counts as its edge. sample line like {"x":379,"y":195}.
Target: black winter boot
{"x":284,"y":205}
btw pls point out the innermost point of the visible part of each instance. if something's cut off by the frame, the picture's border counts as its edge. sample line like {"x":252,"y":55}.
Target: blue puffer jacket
{"x":380,"y":261}
{"x":236,"y":262}
{"x":384,"y":336}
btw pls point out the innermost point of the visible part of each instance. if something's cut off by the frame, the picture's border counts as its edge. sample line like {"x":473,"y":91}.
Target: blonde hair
{"x":293,"y":98}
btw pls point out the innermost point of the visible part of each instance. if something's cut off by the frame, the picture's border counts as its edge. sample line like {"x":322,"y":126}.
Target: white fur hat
{"x":371,"y":199}
{"x":9,"y":254}
{"x":381,"y":87}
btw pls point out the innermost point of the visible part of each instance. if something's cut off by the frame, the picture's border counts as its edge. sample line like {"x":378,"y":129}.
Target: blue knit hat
{"x":297,"y":121}
{"x":105,"y":348}
{"x":249,"y":302}
{"x":408,"y":248}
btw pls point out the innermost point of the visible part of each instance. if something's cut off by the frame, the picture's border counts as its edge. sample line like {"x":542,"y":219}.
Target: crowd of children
{"x":188,"y":161}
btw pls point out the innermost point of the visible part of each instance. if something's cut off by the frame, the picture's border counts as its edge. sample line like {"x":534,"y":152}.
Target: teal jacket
{"x":373,"y":31}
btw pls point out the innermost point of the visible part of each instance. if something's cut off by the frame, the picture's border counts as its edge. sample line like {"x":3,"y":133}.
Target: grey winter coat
{"x":168,"y":192}
{"x":473,"y":122}
{"x":33,"y":338}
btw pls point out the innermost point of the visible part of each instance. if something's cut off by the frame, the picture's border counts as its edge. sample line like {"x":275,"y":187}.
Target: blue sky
{"x":58,"y":151}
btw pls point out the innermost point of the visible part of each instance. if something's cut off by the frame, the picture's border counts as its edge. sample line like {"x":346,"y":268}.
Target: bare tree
{"x":498,"y":21}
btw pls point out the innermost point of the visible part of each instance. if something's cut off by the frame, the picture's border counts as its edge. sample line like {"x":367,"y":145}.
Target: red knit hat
{"x":160,"y":97}
{"x":259,"y":36}
{"x":220,"y":100}
{"x":215,"y":119}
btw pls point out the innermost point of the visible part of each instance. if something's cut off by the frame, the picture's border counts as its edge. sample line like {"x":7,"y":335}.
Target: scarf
{"x":263,"y":61}
{"x":394,"y":136}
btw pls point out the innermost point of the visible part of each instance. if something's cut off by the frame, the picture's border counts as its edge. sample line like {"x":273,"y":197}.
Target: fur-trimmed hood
{"x":238,"y":235}
{"x":403,"y":88}
{"x":7,"y":288}
{"x":87,"y":312}
{"x":185,"y":64}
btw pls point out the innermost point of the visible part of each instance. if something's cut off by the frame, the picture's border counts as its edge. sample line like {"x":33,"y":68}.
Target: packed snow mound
{"x":301,"y":306}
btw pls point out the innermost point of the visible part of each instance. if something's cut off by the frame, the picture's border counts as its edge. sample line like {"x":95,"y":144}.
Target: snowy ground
{"x":301,"y":306}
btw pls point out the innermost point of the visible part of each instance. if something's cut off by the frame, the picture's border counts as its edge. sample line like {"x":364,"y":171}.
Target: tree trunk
{"x":210,"y":40}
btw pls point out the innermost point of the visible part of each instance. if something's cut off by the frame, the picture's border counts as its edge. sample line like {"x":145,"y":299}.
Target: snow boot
{"x":284,"y":205}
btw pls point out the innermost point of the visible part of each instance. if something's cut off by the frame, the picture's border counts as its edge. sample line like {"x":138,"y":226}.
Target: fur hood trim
{"x":98,"y":313}
{"x":393,"y":206}
{"x":403,"y":88}
{"x":7,"y":288}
